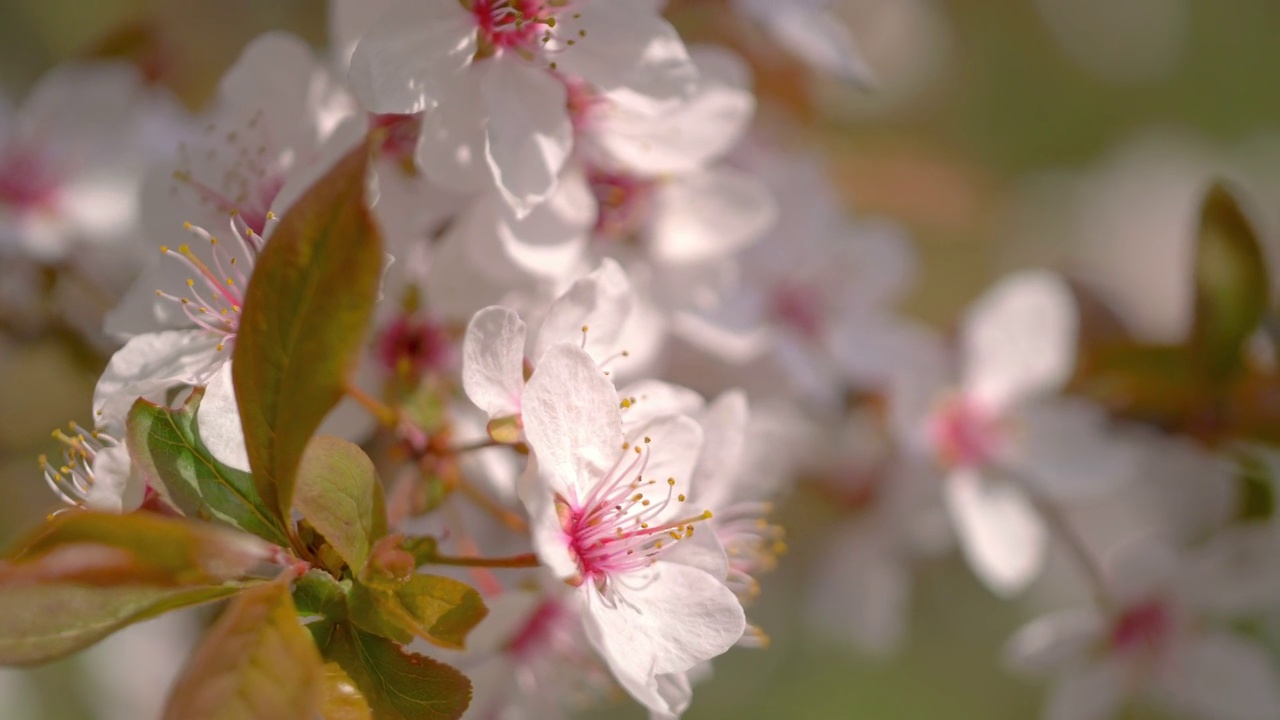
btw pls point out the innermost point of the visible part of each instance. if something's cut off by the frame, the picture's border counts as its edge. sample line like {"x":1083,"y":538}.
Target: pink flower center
{"x":624,"y":202}
{"x":802,"y":308}
{"x":620,"y":527}
{"x":1145,"y":626}
{"x":215,"y":292}
{"x":965,"y":433}
{"x":582,"y":103}
{"x":415,"y":345}
{"x":401,"y":139}
{"x":27,"y":183}
{"x":246,"y":163}
{"x":510,"y":24}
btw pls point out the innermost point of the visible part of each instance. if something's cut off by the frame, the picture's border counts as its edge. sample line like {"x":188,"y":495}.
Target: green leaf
{"x":342,"y":700}
{"x":256,"y":663}
{"x":138,"y":548}
{"x":43,"y":622}
{"x":438,"y":609}
{"x":165,"y":443}
{"x":319,"y":593}
{"x":398,"y":685}
{"x":303,"y":322}
{"x":1257,"y":485}
{"x":1232,"y":288}
{"x":340,"y":495}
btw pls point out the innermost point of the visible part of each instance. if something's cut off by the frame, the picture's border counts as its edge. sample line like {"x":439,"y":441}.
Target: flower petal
{"x":571,"y":419}
{"x":218,"y":420}
{"x":624,"y":44}
{"x":117,"y":486}
{"x":1049,"y":643}
{"x":600,"y":302}
{"x":1088,"y":692}
{"x":674,"y":620}
{"x":1019,"y":339}
{"x":710,"y":215}
{"x":152,"y":363}
{"x":1068,"y":448}
{"x":724,"y":429}
{"x":401,"y":63}
{"x":1000,"y":533}
{"x":1220,"y":675}
{"x":493,"y":361}
{"x":529,"y":135}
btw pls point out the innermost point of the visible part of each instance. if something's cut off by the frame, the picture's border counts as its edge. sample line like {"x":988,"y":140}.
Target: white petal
{"x":117,"y":487}
{"x":549,"y":241}
{"x":724,"y":428}
{"x":218,"y":420}
{"x":493,"y":361}
{"x":710,"y":215}
{"x":1067,"y":447}
{"x":652,"y":399}
{"x":1049,"y":643}
{"x":675,"y":620}
{"x":550,"y":541}
{"x":1235,"y":572}
{"x":1222,"y":676}
{"x":1020,"y":338}
{"x":600,"y":302}
{"x":627,"y":45}
{"x":1000,"y":533}
{"x":400,"y":65}
{"x":152,"y":363}
{"x":692,"y":134}
{"x":450,"y":149}
{"x":571,"y":419}
{"x":1089,"y":692}
{"x":529,"y":134}
{"x":702,"y":550}
{"x":673,"y":444}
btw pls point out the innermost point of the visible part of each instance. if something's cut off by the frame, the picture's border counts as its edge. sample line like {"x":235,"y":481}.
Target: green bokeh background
{"x":1004,"y":101}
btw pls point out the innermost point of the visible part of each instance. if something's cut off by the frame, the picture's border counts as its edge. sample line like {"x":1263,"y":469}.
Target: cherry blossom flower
{"x":95,"y":472}
{"x":72,"y":158}
{"x":999,"y":433}
{"x":271,"y":138}
{"x":608,"y":516}
{"x":489,"y":73}
{"x":1168,"y":639}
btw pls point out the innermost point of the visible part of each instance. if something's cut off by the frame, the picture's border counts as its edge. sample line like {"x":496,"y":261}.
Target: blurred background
{"x":1078,"y":134}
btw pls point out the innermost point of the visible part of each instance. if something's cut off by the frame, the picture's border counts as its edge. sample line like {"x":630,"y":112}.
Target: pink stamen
{"x":1142,"y":627}
{"x":624,"y":202}
{"x":802,"y":308}
{"x":965,"y":433}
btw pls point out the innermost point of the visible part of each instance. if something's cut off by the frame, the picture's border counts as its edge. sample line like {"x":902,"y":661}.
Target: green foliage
{"x":256,"y":663}
{"x":165,"y":444}
{"x":397,"y":685}
{"x":303,"y":322}
{"x":340,"y":496}
{"x":342,"y":700}
{"x":439,"y":609}
{"x":319,"y":593}
{"x":85,"y":575}
{"x":1231,"y":284}
{"x":40,"y":622}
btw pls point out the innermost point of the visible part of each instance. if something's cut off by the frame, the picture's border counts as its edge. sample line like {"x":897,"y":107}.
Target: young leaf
{"x":1232,"y":288}
{"x":303,"y":321}
{"x":256,"y":663}
{"x":44,"y":622}
{"x":107,"y":549}
{"x":339,"y":494}
{"x":398,"y":685}
{"x":342,"y":700}
{"x":317,"y":593}
{"x":439,"y":609}
{"x":165,"y":444}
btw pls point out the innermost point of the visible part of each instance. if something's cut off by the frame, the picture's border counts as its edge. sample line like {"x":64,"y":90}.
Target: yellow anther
{"x":680,"y":497}
{"x":671,"y":482}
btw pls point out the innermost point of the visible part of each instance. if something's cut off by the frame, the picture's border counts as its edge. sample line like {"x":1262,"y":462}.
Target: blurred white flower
{"x":1166,"y":641}
{"x":999,"y":432}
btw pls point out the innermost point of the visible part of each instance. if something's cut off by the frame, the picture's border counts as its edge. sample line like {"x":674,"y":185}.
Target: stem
{"x":1067,"y":535}
{"x":472,"y":447}
{"x":384,"y":413}
{"x":526,"y":560}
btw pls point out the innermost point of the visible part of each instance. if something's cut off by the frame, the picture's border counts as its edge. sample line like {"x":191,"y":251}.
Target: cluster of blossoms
{"x":575,"y":204}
